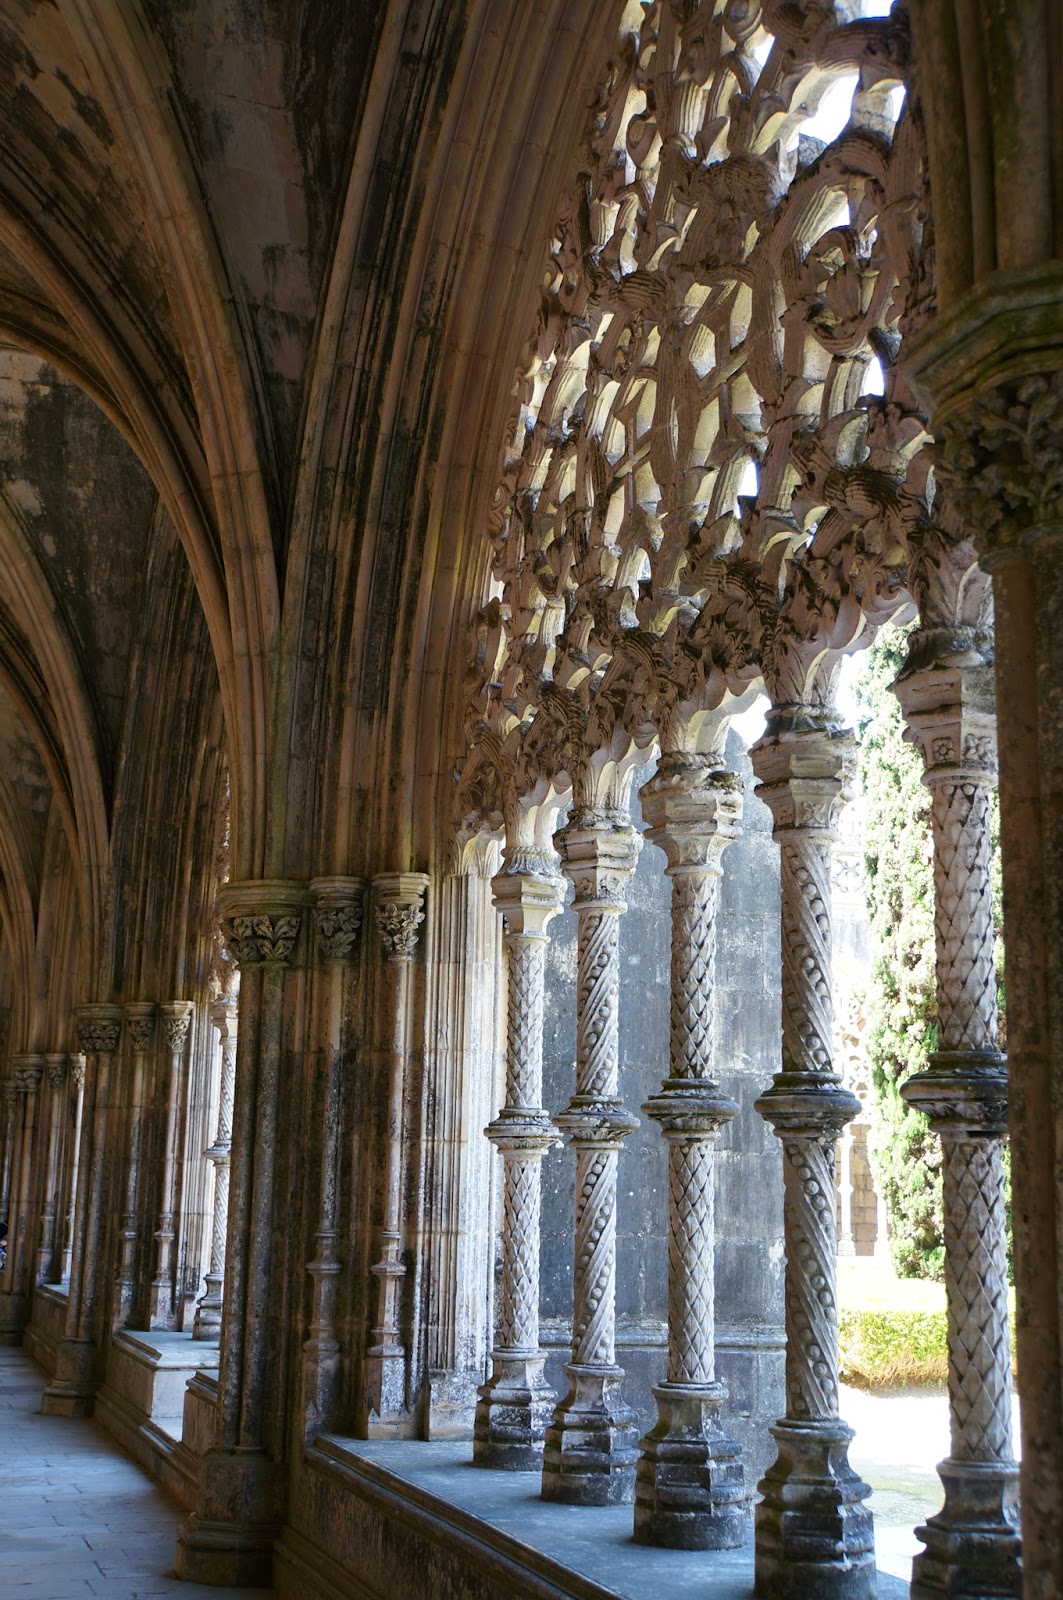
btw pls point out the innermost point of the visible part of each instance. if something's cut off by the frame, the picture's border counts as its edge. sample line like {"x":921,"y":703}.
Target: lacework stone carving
{"x":514,"y":1407}
{"x":589,"y":1455}
{"x":807,"y":1014}
{"x":963,"y":918}
{"x":1002,"y":459}
{"x":811,"y":1308}
{"x":976,"y":1284}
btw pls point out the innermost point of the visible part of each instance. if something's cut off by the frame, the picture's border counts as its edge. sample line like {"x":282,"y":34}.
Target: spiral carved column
{"x":590,"y":1452}
{"x":814,"y":1535}
{"x":690,"y":1491}
{"x":399,"y":915}
{"x":72,"y":1389}
{"x":176,"y":1019}
{"x":516,"y":1403}
{"x":207,"y":1321}
{"x":48,"y":1248}
{"x":972,"y":1545}
{"x":337,"y":920}
{"x":140,"y":1026}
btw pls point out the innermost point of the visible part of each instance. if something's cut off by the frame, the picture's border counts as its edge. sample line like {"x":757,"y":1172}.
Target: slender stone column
{"x":229,"y":1537}
{"x":176,"y":1018}
{"x":690,"y":1485}
{"x":590,"y":1453}
{"x":814,"y":1536}
{"x":72,"y":1161}
{"x":73,"y":1386}
{"x":9,"y":1102}
{"x":972,"y":1544}
{"x":516,"y":1403}
{"x":28,"y":1070}
{"x":207,"y":1323}
{"x":55,"y":1067}
{"x":140,"y":1029}
{"x":337,"y":922}
{"x":398,"y":913}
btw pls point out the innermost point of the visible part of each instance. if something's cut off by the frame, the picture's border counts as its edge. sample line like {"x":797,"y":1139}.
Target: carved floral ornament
{"x":260,"y":936}
{"x":98,"y":1034}
{"x":700,"y":495}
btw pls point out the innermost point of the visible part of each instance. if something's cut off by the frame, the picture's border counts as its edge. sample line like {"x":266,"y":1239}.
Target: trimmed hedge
{"x":881,"y":1349}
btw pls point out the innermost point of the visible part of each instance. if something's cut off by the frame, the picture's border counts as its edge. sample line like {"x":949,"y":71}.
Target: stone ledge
{"x":471,"y":1532}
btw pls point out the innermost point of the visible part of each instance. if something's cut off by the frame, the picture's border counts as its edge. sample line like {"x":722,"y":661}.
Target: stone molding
{"x":27,"y":1071}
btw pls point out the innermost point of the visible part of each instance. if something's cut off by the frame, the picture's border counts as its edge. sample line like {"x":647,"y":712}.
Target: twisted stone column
{"x":207,"y":1322}
{"x":176,"y":1018}
{"x":399,"y":897}
{"x":55,"y":1068}
{"x":972,"y":1544}
{"x":589,"y":1453}
{"x":690,"y":1491}
{"x":515,"y":1405}
{"x":337,"y":921}
{"x":814,"y":1534}
{"x":72,"y":1389}
{"x":140,"y":1029}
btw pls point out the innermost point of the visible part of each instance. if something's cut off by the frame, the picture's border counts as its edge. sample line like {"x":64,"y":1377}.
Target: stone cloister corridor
{"x":427,"y":428}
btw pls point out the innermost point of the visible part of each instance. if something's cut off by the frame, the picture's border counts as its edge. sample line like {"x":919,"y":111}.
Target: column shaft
{"x":690,"y":1491}
{"x":589,"y":1452}
{"x":50,"y":1198}
{"x":176,"y":1019}
{"x":207,"y":1322}
{"x":972,"y":1544}
{"x":814,"y":1533}
{"x":515,"y":1405}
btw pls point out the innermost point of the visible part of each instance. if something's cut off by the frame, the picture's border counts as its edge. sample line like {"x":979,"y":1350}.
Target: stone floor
{"x":77,"y":1518}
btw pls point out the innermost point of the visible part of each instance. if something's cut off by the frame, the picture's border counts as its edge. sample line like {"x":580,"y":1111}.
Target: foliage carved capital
{"x":399,"y":900}
{"x":98,"y":1028}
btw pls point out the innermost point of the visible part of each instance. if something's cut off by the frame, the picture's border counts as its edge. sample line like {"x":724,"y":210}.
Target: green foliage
{"x":899,"y":882}
{"x":878,"y":1349}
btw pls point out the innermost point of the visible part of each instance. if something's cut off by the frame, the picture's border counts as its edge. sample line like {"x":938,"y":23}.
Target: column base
{"x":814,"y":1533}
{"x":229,"y":1541}
{"x":207,"y":1323}
{"x":690,"y":1483}
{"x":513,"y":1413}
{"x":591,"y":1445}
{"x":387,"y":1415}
{"x":973,"y":1547}
{"x":72,"y":1390}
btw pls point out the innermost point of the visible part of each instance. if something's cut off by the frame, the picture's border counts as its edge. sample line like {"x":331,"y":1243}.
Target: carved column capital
{"x":224,"y":1015}
{"x":27,"y":1071}
{"x":77,"y":1071}
{"x":950,"y":710}
{"x":337,"y":915}
{"x":56,"y":1067}
{"x":598,"y":854}
{"x":529,"y":891}
{"x":140,"y":1024}
{"x":9,"y":1094}
{"x":804,"y":765}
{"x":399,"y":898}
{"x":694,"y":808}
{"x":176,"y":1017}
{"x":98,"y":1029}
{"x":260,"y":920}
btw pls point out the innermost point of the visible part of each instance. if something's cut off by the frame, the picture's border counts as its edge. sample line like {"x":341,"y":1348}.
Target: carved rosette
{"x":589,"y":1453}
{"x":514,"y":1406}
{"x":949,"y":709}
{"x":813,"y":1529}
{"x":690,"y":1483}
{"x":337,"y":916}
